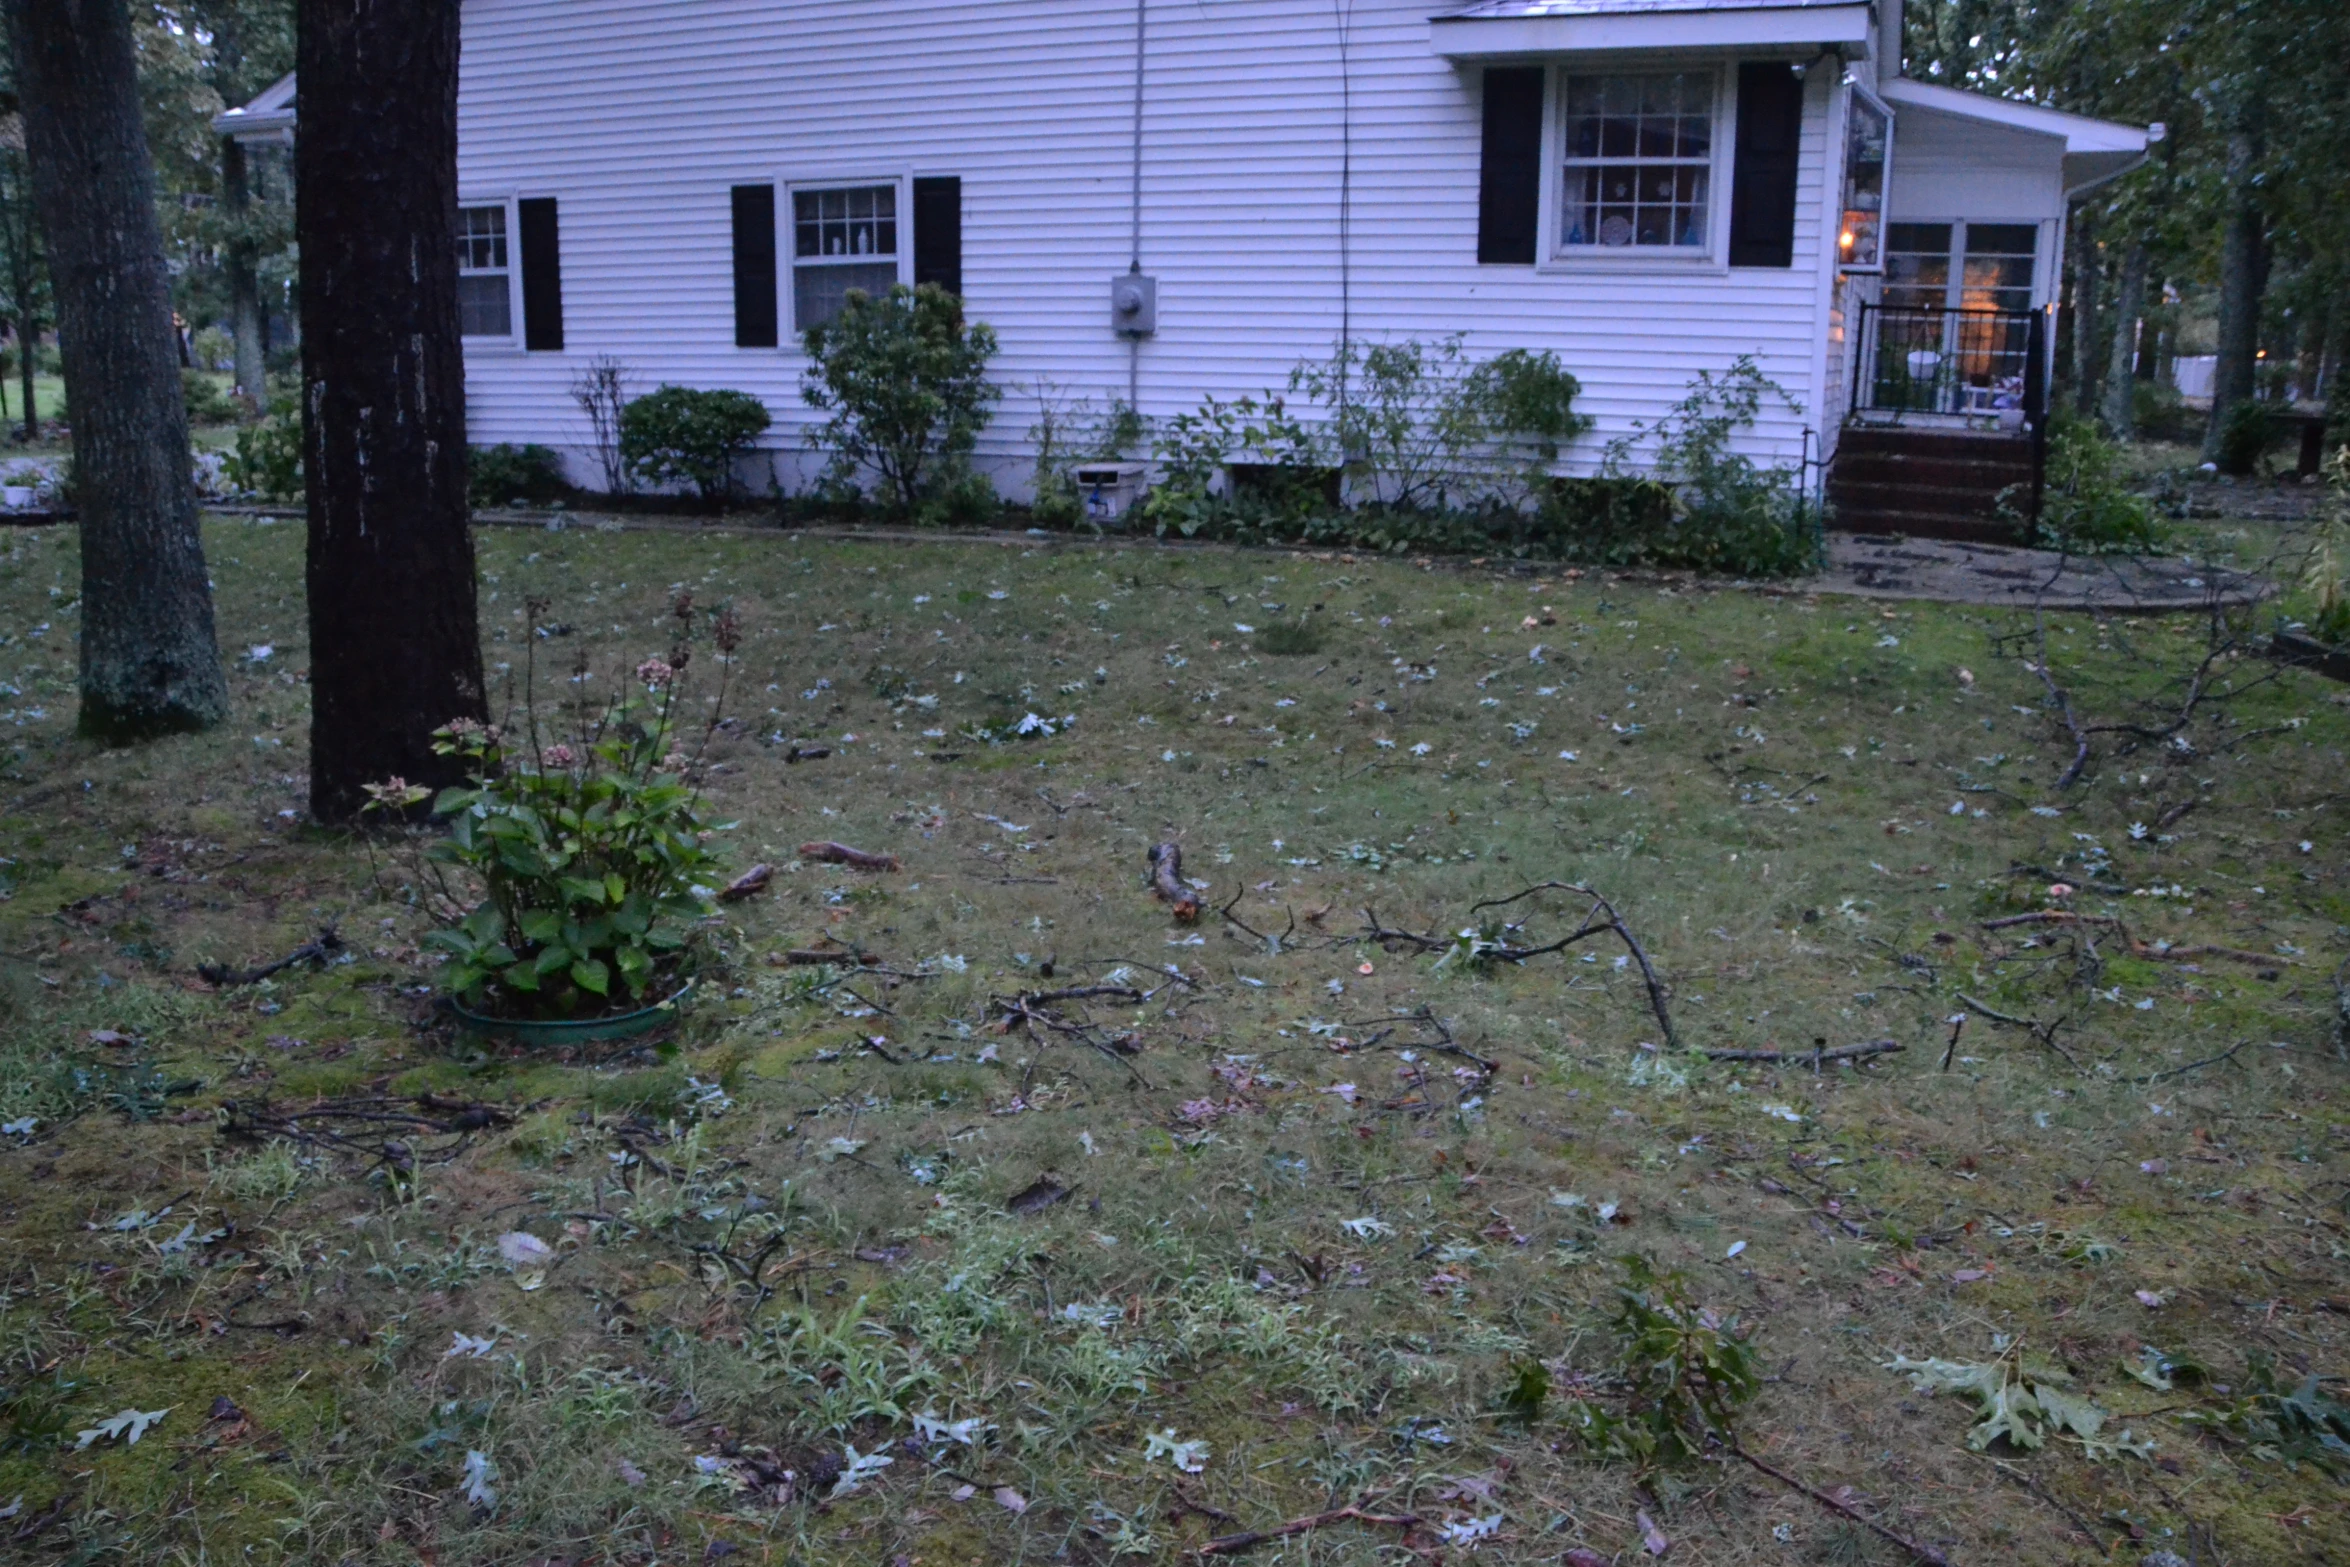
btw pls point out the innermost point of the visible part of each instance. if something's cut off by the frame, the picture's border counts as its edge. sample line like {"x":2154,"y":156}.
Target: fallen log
{"x":753,"y":880}
{"x":829,"y":853}
{"x":1875,"y":1047}
{"x":1166,"y":863}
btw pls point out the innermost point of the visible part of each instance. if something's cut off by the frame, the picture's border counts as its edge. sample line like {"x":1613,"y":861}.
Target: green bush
{"x":2327,"y":574}
{"x":2246,"y":432}
{"x":1728,"y":513}
{"x":1429,"y":430}
{"x":677,"y":434}
{"x":510,"y":475}
{"x":267,"y":460}
{"x":1681,"y":1373}
{"x":584,"y":856}
{"x":206,"y":402}
{"x":2084,"y":507}
{"x":1194,"y":450}
{"x":904,"y":378}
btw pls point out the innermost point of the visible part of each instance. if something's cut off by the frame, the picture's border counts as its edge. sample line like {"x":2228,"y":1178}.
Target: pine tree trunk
{"x":149,"y":664}
{"x":2243,"y":273}
{"x":2088,"y":316}
{"x":394,"y":649}
{"x":2121,"y":381}
{"x":244,"y":283}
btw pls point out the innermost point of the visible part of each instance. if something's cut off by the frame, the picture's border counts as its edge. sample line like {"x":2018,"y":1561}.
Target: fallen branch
{"x":1234,"y":1544}
{"x":829,"y":853}
{"x":320,"y":948}
{"x":1376,"y":932}
{"x":2194,"y":1066}
{"x":1166,"y":867}
{"x":2043,"y":1032}
{"x":1917,"y":1552}
{"x":1601,"y":917}
{"x":810,"y":957}
{"x":1875,"y":1047}
{"x":753,"y":880}
{"x":2051,"y":917}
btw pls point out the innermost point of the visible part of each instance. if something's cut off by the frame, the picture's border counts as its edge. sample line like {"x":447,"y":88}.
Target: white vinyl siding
{"x":641,"y":114}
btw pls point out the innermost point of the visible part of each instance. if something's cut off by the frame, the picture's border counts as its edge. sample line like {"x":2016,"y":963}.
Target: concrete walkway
{"x":1872,"y":566}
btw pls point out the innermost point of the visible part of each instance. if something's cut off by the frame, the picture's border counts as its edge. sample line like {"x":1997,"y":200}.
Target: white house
{"x":1651,"y":188}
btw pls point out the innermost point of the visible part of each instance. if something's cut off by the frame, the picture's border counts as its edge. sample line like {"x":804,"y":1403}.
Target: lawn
{"x":847,"y":1271}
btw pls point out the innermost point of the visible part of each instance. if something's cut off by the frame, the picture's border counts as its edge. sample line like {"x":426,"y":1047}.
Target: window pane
{"x":481,"y":238}
{"x":1639,"y":155}
{"x":857,"y":221}
{"x":817,"y":291}
{"x":485,"y":308}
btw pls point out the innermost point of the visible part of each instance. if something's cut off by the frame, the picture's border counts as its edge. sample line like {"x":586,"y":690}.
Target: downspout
{"x":1134,"y":249}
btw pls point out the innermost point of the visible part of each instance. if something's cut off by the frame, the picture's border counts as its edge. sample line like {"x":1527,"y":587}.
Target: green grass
{"x":1762,"y":781}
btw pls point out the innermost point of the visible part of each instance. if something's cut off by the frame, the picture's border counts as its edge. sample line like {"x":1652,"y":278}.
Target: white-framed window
{"x":485,"y":272}
{"x":1637,"y":163}
{"x":842,"y":237}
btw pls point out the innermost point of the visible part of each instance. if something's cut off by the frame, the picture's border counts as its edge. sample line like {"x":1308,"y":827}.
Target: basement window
{"x":485,"y":282}
{"x":842,"y":238}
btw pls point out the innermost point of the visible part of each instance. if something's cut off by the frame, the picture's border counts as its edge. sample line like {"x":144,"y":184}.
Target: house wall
{"x":639,"y":114}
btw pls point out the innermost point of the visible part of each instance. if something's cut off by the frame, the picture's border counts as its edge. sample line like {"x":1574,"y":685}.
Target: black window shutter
{"x":1509,"y":179}
{"x":1762,"y":182}
{"x":542,"y":273}
{"x":754,"y":267}
{"x":938,"y":232}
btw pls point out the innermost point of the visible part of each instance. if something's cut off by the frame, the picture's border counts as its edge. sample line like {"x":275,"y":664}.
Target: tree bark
{"x":2121,"y":380}
{"x":2243,"y":275}
{"x":244,"y":283}
{"x":394,"y":649}
{"x":149,"y":664}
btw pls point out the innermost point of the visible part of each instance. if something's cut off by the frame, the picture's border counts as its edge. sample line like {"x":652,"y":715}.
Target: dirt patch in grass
{"x":1304,"y":1228}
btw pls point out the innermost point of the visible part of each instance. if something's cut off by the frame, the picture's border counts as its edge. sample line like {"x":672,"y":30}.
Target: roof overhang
{"x":268,"y":118}
{"x":2094,"y":151}
{"x":1502,"y":29}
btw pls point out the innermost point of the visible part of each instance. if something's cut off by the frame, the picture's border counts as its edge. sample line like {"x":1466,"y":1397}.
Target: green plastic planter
{"x":571,"y":1031}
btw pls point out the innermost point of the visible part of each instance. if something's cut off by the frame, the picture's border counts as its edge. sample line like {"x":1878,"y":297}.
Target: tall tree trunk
{"x":2121,"y":380}
{"x":2243,"y":274}
{"x":28,"y":349}
{"x":2088,"y":316}
{"x":244,"y":283}
{"x":149,"y":664}
{"x":394,"y":649}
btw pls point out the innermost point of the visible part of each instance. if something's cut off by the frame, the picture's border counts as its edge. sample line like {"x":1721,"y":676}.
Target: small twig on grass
{"x":2193,"y":1066}
{"x":318,"y":949}
{"x":2033,"y":1486}
{"x":1273,"y":944}
{"x":1601,"y":917}
{"x":2043,"y":1032}
{"x":1875,"y":1047}
{"x":1382,"y":935}
{"x":1957,"y":1027}
{"x":1234,"y":1544}
{"x":1917,"y":1552}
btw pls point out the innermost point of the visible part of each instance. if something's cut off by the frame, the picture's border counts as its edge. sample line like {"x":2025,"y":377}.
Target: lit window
{"x":1917,"y":266}
{"x":1868,"y":145}
{"x":485,"y":293}
{"x":1639,"y":162}
{"x":1998,"y":273}
{"x":841,"y":239}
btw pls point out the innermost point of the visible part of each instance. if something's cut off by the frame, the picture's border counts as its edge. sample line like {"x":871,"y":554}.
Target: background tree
{"x":24,"y":264}
{"x":148,"y":660}
{"x":394,"y":649}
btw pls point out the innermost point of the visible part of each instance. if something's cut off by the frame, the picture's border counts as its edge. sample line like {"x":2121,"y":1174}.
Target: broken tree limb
{"x":1917,"y":1552}
{"x":318,"y":949}
{"x":810,"y":957}
{"x":1875,"y":1047}
{"x":829,"y":853}
{"x":1234,"y":1544}
{"x":1166,"y":866}
{"x":2043,"y":1032}
{"x":1601,"y":917}
{"x":753,"y":880}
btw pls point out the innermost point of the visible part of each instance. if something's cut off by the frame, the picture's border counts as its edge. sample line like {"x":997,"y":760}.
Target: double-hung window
{"x":1638,"y":164}
{"x":485,"y":280}
{"x":843,"y":237}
